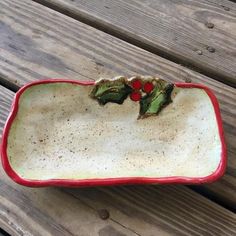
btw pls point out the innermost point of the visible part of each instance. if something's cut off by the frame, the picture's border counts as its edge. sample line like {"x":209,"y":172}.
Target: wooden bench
{"x":75,"y":39}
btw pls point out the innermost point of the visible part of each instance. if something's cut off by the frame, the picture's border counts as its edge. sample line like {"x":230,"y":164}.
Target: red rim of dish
{"x":111,"y":181}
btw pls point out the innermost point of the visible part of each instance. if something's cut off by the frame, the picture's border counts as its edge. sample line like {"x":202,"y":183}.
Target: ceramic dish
{"x":122,"y":131}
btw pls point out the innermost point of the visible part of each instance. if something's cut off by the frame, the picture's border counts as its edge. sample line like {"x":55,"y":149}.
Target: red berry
{"x":136,"y":84}
{"x":148,"y":87}
{"x":135,"y":96}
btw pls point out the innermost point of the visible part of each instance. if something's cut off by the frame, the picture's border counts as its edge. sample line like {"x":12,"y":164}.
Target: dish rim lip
{"x":116,"y":180}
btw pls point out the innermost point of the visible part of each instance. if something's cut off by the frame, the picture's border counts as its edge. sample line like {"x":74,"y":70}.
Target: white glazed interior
{"x":61,"y":133}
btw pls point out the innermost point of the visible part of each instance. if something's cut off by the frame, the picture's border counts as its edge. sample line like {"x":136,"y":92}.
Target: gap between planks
{"x":66,"y":8}
{"x":7,"y":84}
{"x":3,"y":233}
{"x":212,"y":197}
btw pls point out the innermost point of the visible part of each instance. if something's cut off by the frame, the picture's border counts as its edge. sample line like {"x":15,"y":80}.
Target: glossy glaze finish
{"x":65,"y":163}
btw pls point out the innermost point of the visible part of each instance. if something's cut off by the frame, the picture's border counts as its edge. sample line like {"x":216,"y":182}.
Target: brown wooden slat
{"x":37,"y":42}
{"x":175,"y":30}
{"x":134,"y":210}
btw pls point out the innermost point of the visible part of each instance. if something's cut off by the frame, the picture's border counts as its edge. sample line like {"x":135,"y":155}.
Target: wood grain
{"x":37,"y":43}
{"x":134,"y":210}
{"x":175,"y":30}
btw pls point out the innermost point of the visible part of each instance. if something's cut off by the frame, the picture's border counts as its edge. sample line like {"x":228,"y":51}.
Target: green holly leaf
{"x":152,"y":104}
{"x":115,"y":91}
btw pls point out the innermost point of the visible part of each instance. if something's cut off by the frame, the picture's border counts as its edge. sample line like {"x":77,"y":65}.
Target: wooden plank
{"x":37,"y":43}
{"x":5,"y":104}
{"x":176,"y":30}
{"x":134,"y":210}
{"x":154,"y":203}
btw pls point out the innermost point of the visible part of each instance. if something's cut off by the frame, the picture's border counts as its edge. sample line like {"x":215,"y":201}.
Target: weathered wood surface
{"x":134,"y":210}
{"x":37,"y":43}
{"x":176,"y":29}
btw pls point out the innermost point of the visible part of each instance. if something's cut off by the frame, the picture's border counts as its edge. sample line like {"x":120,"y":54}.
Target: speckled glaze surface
{"x":58,"y":135}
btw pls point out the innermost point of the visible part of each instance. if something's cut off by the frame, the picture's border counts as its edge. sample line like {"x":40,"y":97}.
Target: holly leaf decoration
{"x":115,"y":91}
{"x":151,"y":104}
{"x":153,"y":94}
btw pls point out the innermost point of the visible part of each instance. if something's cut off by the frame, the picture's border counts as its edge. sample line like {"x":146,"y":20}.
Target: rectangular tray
{"x":56,"y":134}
